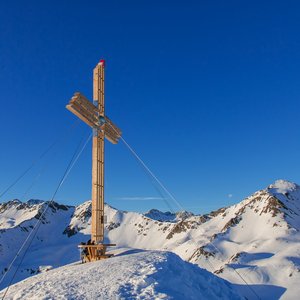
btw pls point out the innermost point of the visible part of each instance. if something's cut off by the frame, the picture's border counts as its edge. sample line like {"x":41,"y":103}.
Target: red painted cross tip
{"x":102,"y":62}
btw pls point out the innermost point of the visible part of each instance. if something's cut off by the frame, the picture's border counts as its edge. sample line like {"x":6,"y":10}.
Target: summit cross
{"x":93,"y":114}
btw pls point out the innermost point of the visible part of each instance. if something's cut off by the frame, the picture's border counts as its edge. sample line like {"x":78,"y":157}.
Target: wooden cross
{"x":93,"y":114}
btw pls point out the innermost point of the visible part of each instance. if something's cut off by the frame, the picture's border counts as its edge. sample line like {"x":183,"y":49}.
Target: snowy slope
{"x":258,"y":237}
{"x":144,"y":275}
{"x":49,"y":247}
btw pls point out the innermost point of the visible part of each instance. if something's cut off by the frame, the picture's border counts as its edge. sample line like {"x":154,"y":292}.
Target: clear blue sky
{"x":207,"y":92}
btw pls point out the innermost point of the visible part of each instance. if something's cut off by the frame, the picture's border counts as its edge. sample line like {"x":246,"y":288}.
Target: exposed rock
{"x":201,"y":251}
{"x":70,"y":231}
{"x":232,"y":222}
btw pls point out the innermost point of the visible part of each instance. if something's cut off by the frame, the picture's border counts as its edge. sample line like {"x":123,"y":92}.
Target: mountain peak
{"x":167,"y":216}
{"x":34,"y":201}
{"x":282,"y":187}
{"x":158,"y":215}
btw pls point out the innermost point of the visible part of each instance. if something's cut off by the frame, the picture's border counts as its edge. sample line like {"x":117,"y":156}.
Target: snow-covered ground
{"x":143,"y":275}
{"x":257,"y":238}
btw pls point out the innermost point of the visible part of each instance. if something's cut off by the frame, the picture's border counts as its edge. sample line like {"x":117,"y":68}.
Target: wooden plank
{"x":97,"y":246}
{"x":79,"y":114}
{"x":92,"y":116}
{"x":98,"y":160}
{"x":111,"y":136}
{"x":110,"y":124}
{"x":98,"y":87}
{"x":83,"y":101}
{"x":112,"y":132}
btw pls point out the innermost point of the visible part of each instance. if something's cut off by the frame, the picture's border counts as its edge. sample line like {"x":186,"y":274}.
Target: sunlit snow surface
{"x":258,"y":237}
{"x":143,"y":275}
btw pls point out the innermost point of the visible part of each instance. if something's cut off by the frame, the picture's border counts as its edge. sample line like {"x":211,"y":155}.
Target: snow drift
{"x":144,"y":275}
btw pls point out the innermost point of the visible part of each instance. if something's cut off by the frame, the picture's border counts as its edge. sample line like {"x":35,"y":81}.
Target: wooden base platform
{"x":94,"y":252}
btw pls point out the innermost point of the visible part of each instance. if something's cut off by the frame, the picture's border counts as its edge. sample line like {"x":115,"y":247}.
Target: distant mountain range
{"x":255,"y":241}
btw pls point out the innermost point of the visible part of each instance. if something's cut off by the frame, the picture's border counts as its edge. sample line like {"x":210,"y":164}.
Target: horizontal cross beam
{"x":88,"y":113}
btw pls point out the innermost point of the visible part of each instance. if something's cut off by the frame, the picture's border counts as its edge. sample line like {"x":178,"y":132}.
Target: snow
{"x":282,"y":186}
{"x":142,"y":275}
{"x":34,"y":201}
{"x":49,"y":246}
{"x":158,"y":215}
{"x":259,"y":237}
{"x":13,"y":214}
{"x":167,"y":216}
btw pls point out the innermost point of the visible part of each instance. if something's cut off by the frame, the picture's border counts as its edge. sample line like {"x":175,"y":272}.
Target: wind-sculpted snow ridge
{"x":144,"y":275}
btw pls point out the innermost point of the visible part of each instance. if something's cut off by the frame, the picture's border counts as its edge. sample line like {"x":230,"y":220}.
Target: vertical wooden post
{"x":97,"y":234}
{"x":103,"y":127}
